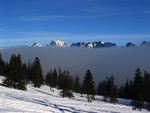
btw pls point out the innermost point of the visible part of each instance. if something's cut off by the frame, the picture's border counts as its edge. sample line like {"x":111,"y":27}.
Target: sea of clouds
{"x":119,"y":61}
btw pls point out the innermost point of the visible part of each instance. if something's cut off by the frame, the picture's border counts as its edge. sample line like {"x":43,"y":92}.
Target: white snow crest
{"x":59,"y":43}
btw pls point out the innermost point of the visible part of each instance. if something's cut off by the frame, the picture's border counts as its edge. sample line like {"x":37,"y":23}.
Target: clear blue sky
{"x":23,"y":22}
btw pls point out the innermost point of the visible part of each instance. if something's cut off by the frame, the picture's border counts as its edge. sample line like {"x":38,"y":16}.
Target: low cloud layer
{"x":119,"y":61}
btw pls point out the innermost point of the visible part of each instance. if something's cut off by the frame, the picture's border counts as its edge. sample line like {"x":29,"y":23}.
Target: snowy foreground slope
{"x":36,"y":100}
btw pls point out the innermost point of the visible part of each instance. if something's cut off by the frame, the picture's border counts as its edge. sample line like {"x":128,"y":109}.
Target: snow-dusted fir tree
{"x":76,"y":86}
{"x":37,"y":77}
{"x":2,"y":65}
{"x":66,"y":85}
{"x":54,"y":78}
{"x":88,"y":86}
{"x":15,"y":77}
{"x":138,"y":100}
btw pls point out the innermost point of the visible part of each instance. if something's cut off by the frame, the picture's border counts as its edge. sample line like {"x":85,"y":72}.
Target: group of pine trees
{"x":67,"y":83}
{"x":109,"y":90}
{"x":137,"y":90}
{"x":18,"y":74}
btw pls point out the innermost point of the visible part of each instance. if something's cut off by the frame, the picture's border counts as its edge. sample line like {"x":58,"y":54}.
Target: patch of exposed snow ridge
{"x":37,"y":45}
{"x":59,"y":43}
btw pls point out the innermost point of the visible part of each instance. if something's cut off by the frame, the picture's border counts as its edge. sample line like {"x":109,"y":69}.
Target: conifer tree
{"x":146,"y":80}
{"x":131,"y":90}
{"x":77,"y":87}
{"x":121,"y":91}
{"x":127,"y":90}
{"x":112,"y":90}
{"x":89,"y":86}
{"x":138,"y":90}
{"x":54,"y":78}
{"x":2,"y":65}
{"x":49,"y":79}
{"x":148,"y":105}
{"x":30,"y":72}
{"x":60,"y":78}
{"x":109,"y":90}
{"x":25,"y":71}
{"x":139,"y":103}
{"x":113,"y":98}
{"x":15,"y":77}
{"x":21,"y":75}
{"x":101,"y":88}
{"x":138,"y":83}
{"x":66,"y":85}
{"x":37,"y":73}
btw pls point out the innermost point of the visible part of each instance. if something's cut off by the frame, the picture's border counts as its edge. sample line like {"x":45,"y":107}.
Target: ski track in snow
{"x":42,"y":100}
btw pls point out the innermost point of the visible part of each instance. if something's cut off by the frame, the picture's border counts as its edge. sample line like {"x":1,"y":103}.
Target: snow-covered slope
{"x":42,"y":100}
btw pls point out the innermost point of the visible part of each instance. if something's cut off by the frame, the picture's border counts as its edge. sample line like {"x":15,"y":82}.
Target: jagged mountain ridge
{"x":58,"y":43}
{"x":95,"y":44}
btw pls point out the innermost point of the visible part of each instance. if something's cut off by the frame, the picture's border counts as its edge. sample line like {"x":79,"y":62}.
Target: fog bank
{"x":119,"y":61}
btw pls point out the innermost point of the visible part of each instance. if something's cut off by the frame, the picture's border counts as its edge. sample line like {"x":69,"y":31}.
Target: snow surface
{"x":42,"y":100}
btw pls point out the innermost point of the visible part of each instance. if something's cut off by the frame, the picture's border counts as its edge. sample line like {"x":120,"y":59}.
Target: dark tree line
{"x":18,"y":74}
{"x":108,"y":89}
{"x":63,"y":81}
{"x":67,"y":83}
{"x":137,"y":90}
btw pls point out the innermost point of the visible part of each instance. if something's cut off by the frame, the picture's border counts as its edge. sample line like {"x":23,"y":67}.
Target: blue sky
{"x":23,"y":22}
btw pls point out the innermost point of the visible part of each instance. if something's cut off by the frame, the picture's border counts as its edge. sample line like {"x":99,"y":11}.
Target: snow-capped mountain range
{"x":95,"y":44}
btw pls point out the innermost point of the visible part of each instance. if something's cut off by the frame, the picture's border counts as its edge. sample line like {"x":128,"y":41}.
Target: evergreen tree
{"x":138,"y":90}
{"x":49,"y":79}
{"x":51,"y":82}
{"x":37,"y":77}
{"x":138,"y":84}
{"x":131,"y":90}
{"x":139,"y":103}
{"x":148,"y":105}
{"x":88,"y":86}
{"x":30,"y":72}
{"x":25,"y":71}
{"x":77,"y":87}
{"x":127,"y":90}
{"x":146,"y":80}
{"x":121,"y":91}
{"x":2,"y":66}
{"x":109,"y":90}
{"x":60,"y":78}
{"x":102,"y":88}
{"x":54,"y":78}
{"x":21,"y":75}
{"x":15,"y":77}
{"x":113,"y":98}
{"x":66,"y":85}
{"x":112,"y":90}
